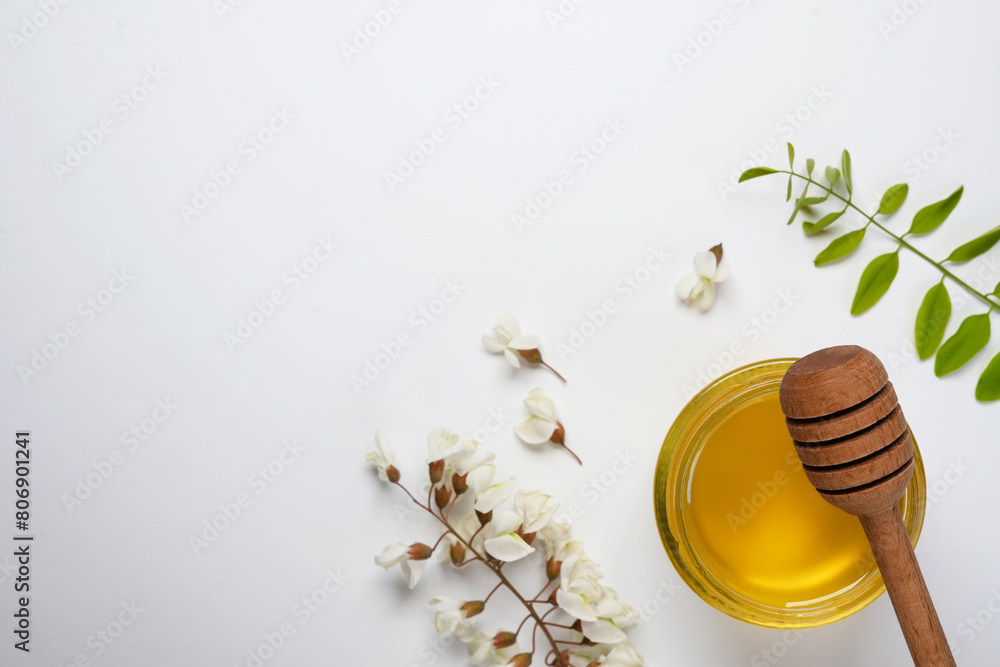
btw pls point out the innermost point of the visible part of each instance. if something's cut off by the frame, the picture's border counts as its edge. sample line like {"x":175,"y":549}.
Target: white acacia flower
{"x":612,"y":616}
{"x":536,"y":510}
{"x":504,"y":543}
{"x":558,"y":542}
{"x":699,"y":286}
{"x":507,"y":338}
{"x":579,"y":587}
{"x":382,"y":458}
{"x":443,"y":444}
{"x":489,"y":496}
{"x":452,"y":620}
{"x":544,"y":419}
{"x":623,"y":655}
{"x":398,"y":554}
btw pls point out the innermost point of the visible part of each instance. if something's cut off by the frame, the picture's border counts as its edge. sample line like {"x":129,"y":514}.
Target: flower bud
{"x":436,"y":470}
{"x":503,"y":639}
{"x":460,"y":483}
{"x":531,"y":356}
{"x":419,"y":551}
{"x":552,"y":568}
{"x":553,"y":598}
{"x":559,"y":435}
{"x":595,"y":663}
{"x":527,"y":537}
{"x":484,"y":518}
{"x":563,"y":660}
{"x":578,"y":625}
{"x":717,"y":251}
{"x":392,"y":473}
{"x":473,"y":608}
{"x":520,"y":660}
{"x":457,"y":553}
{"x":442,"y":496}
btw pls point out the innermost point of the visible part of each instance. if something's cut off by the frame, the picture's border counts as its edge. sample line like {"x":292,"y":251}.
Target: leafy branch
{"x":935,"y":311}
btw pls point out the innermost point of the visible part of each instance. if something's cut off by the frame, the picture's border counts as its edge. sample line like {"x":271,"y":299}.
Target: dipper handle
{"x":907,"y":590}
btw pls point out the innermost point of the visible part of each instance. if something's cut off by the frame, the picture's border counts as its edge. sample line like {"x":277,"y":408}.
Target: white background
{"x":889,"y":95}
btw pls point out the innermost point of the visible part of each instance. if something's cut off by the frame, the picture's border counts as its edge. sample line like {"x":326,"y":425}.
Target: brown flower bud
{"x":577,"y":625}
{"x":473,"y":608}
{"x":595,"y":663}
{"x":553,"y":598}
{"x":503,"y":639}
{"x":531,"y":356}
{"x":527,"y":537}
{"x":559,"y":435}
{"x":442,"y":496}
{"x":717,"y":251}
{"x":457,"y":553}
{"x":419,"y":551}
{"x":484,"y":518}
{"x":562,"y":660}
{"x":552,"y":568}
{"x":436,"y":470}
{"x":520,"y":660}
{"x":460,"y":483}
{"x":392,"y":473}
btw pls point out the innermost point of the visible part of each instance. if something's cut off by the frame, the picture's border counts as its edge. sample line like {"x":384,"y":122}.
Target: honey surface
{"x":756,"y":522}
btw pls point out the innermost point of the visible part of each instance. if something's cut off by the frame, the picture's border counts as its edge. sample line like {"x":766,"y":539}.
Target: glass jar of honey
{"x":742,"y":524}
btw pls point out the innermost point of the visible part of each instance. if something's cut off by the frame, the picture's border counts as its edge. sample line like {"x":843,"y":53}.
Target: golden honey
{"x":743,"y":525}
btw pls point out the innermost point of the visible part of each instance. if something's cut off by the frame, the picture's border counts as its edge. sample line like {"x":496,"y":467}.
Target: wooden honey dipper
{"x":855,"y":447}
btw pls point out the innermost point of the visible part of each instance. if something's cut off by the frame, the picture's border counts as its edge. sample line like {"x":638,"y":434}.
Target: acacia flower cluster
{"x":515,"y":346}
{"x":577,"y":618}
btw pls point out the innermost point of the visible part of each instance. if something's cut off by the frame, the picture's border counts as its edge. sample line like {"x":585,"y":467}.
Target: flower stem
{"x":553,"y":370}
{"x":563,"y":445}
{"x":496,"y":570}
{"x":499,"y":584}
{"x":902,"y":241}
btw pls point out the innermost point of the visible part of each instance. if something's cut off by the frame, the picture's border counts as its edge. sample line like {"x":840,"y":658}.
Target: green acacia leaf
{"x":791,"y":156}
{"x":788,"y":195}
{"x":810,"y":165}
{"x":875,"y":282}
{"x":988,"y":387}
{"x":975,"y":247}
{"x":893,"y":199}
{"x":842,"y":246}
{"x":832,"y":175}
{"x":932,"y":319}
{"x":821,"y":224}
{"x":930,"y":217}
{"x":756,"y":172}
{"x":963,"y":345}
{"x":845,"y":166}
{"x":996,"y":290}
{"x":811,"y":201}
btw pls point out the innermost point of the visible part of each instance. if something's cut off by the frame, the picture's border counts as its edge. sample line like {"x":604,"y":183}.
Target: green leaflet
{"x":756,"y":172}
{"x":821,"y":224}
{"x":930,"y":217}
{"x":841,"y":246}
{"x":893,"y":199}
{"x":932,"y":318}
{"x":845,"y":166}
{"x":810,"y":165}
{"x":811,"y":201}
{"x":791,"y":157}
{"x":964,"y":344}
{"x":988,"y":387}
{"x":975,"y":247}
{"x":832,"y":175}
{"x":875,"y":281}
